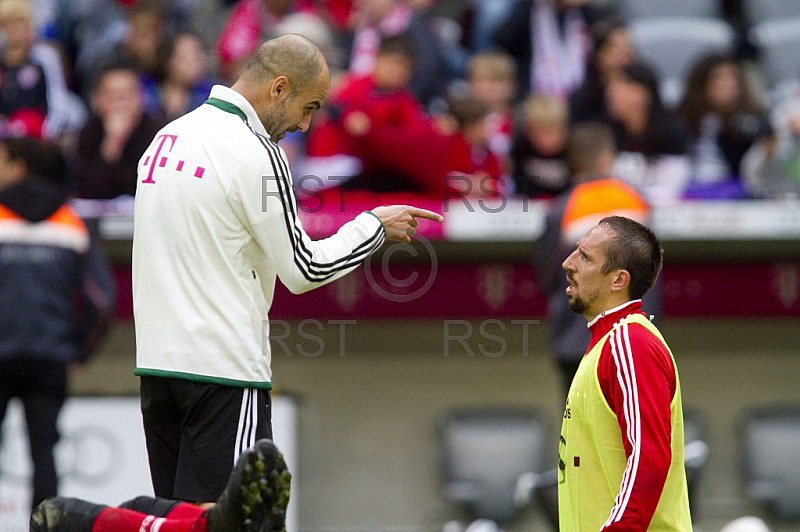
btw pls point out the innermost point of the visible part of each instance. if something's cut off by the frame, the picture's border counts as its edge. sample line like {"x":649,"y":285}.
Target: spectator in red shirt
{"x":376,"y":20}
{"x":376,"y":119}
{"x":477,"y":170}
{"x":382,"y":98}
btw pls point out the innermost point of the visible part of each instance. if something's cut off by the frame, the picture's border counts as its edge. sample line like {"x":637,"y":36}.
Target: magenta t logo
{"x":160,"y":140}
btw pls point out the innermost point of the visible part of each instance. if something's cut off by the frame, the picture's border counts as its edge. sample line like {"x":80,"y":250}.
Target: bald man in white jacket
{"x":215,"y":223}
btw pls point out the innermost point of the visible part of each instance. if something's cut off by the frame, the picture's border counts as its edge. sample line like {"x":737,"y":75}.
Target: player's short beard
{"x":577,"y":305}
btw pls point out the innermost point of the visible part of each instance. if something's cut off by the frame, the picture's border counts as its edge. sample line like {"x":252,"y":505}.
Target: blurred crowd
{"x":435,"y":99}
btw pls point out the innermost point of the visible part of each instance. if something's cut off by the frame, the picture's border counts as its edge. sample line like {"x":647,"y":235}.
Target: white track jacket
{"x":215,"y":222}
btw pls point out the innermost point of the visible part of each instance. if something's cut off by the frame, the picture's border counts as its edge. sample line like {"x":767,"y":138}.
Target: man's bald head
{"x":294,"y":56}
{"x":286,"y":81}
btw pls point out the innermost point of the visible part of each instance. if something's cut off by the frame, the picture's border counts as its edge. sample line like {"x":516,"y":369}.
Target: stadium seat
{"x":778,"y":42}
{"x":758,"y":11}
{"x":546,"y":493}
{"x":672,"y":46}
{"x":695,"y":452}
{"x":484,"y":452}
{"x":771,"y":445}
{"x":636,"y":9}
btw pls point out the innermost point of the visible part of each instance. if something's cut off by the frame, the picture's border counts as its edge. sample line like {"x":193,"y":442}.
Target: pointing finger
{"x":424,"y":213}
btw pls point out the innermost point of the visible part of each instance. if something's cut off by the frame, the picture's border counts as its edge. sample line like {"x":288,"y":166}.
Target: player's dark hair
{"x":635,"y":248}
{"x":398,"y":45}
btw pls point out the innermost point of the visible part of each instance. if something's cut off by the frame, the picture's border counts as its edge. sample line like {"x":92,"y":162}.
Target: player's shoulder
{"x":637,"y":329}
{"x":637,"y":342}
{"x":637,"y":324}
{"x":224,"y":134}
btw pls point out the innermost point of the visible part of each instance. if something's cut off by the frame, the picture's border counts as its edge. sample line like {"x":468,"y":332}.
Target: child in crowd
{"x":376,"y":119}
{"x":32,"y":75}
{"x":492,"y":78}
{"x":382,"y":98}
{"x":539,"y":169}
{"x":376,"y":20}
{"x":478,"y":168}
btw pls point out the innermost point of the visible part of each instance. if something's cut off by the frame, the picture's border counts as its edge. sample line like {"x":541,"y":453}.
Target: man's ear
{"x":279,"y":89}
{"x":621,"y":280}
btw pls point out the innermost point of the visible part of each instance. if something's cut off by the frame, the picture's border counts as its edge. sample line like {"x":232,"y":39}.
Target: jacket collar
{"x":230,"y":101}
{"x":606,"y":320}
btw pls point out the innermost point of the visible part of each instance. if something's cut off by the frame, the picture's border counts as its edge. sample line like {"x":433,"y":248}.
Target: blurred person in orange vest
{"x":46,"y":257}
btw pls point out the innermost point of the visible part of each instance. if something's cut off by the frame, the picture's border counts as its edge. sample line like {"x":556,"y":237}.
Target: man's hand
{"x":400,"y":221}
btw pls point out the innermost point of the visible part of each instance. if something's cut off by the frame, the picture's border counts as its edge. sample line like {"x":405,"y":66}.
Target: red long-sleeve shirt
{"x":638,"y":380}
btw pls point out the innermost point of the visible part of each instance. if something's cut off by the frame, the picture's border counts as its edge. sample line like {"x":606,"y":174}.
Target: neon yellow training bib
{"x":592,"y":458}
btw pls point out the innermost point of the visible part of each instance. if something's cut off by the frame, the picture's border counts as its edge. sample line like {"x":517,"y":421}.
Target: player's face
{"x":296,"y":110}
{"x":588,"y":285}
